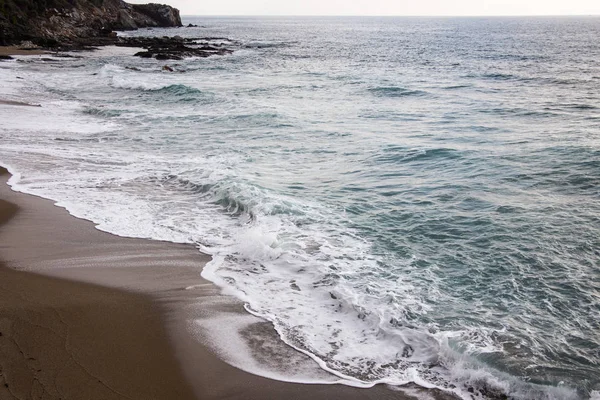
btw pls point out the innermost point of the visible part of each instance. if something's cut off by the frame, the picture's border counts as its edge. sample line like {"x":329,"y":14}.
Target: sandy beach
{"x":86,"y":314}
{"x":66,"y":339}
{"x":16,"y":51}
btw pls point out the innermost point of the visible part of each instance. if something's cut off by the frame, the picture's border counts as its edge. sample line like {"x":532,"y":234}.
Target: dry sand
{"x":16,"y":51}
{"x":88,"y":315}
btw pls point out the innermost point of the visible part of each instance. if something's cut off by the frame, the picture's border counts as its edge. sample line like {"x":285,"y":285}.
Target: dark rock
{"x":48,"y":43}
{"x":170,"y":48}
{"x":59,"y":55}
{"x":49,"y":23}
{"x":192,"y":26}
{"x":2,"y":58}
{"x":167,"y":68}
{"x":168,"y":56}
{"x":125,"y":21}
{"x":144,"y":54}
{"x":28,"y":45}
{"x":408,"y":351}
{"x":163,"y":15}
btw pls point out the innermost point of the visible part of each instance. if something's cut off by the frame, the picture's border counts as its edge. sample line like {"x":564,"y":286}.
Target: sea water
{"x":405,"y":199}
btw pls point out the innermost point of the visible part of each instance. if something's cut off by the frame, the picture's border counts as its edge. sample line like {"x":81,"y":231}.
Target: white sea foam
{"x":299,"y":279}
{"x":295,"y":261}
{"x":313,"y":311}
{"x":55,"y":118}
{"x":11,"y":81}
{"x":108,"y":51}
{"x":229,"y":335}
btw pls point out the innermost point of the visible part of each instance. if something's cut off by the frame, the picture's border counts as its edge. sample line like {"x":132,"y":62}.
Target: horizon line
{"x":394,"y":16}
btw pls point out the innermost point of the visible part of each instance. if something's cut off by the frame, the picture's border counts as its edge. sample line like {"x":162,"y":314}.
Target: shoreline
{"x":67,"y":339}
{"x":125,"y":297}
{"x":17,"y":103}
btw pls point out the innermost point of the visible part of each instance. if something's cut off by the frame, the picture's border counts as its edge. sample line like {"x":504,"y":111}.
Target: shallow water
{"x":406,"y":199}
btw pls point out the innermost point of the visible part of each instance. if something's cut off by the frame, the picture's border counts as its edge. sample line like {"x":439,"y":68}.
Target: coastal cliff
{"x":47,"y":21}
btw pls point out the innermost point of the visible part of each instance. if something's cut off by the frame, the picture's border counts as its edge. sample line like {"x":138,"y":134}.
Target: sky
{"x":384,"y":7}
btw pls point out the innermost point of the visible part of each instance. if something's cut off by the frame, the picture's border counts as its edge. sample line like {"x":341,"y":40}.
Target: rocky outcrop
{"x":159,"y":14}
{"x":173,"y":48}
{"x":125,"y":21}
{"x":59,"y":21}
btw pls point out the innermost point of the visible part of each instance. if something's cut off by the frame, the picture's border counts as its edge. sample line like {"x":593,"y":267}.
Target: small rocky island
{"x":64,"y":25}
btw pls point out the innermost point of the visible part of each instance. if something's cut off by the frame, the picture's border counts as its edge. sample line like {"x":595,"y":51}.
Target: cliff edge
{"x":58,"y":21}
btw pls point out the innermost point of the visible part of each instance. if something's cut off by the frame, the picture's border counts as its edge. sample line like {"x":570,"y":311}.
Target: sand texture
{"x":16,"y":51}
{"x":88,"y":315}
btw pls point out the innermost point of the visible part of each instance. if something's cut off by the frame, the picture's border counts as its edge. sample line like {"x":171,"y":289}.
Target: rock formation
{"x":155,"y":15}
{"x":58,"y":21}
{"x":173,"y":48}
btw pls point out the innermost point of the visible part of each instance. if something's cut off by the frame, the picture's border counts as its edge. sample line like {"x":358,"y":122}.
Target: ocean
{"x":405,"y":199}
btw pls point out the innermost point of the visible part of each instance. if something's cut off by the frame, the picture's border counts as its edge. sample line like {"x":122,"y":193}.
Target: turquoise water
{"x":406,"y":199}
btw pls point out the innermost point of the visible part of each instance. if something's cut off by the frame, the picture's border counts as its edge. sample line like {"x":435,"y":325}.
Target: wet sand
{"x":88,"y":315}
{"x":62,"y":339}
{"x":17,"y":103}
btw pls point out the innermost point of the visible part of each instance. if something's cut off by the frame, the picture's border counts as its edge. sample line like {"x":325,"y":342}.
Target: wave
{"x":520,"y":112}
{"x":581,"y":106}
{"x":264,"y":44}
{"x":151,"y":82}
{"x":400,"y":154}
{"x":178,"y":90}
{"x":394,"y":91}
{"x":301,"y":275}
{"x":318,"y":308}
{"x":498,"y":76}
{"x":102,"y":112}
{"x":314,"y":304}
{"x":297,"y":262}
{"x":219,"y":194}
{"x":455,"y":87}
{"x":175,"y":89}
